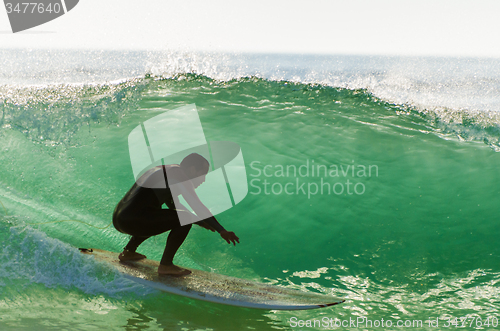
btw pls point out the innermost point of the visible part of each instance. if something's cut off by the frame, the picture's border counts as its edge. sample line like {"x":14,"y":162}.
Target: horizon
{"x":443,"y":28}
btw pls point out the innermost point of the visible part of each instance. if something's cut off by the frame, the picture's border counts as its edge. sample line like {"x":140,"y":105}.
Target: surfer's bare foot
{"x":130,"y":256}
{"x":172,"y":270}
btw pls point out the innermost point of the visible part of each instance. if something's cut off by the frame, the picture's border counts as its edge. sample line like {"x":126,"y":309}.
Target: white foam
{"x":31,"y":255}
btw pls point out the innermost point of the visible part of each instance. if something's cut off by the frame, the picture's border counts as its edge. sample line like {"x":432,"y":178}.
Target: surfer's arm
{"x":187,"y":190}
{"x":180,"y":206}
{"x":188,"y":193}
{"x":228,"y":236}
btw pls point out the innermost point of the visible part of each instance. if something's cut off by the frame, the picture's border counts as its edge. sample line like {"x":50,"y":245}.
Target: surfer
{"x":140,"y":212}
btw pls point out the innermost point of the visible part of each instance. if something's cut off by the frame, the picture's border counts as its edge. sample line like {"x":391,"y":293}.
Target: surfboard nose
{"x":26,"y":15}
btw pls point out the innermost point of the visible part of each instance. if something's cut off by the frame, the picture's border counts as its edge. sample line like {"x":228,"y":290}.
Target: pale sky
{"x":389,"y":27}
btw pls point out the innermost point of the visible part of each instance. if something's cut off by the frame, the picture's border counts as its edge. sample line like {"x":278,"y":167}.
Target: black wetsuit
{"x":140,"y":214}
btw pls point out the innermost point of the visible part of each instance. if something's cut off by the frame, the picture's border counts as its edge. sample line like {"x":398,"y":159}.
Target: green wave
{"x":419,"y":232}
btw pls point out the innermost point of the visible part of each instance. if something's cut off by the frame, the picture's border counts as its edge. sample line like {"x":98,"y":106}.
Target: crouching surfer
{"x":140,"y":212}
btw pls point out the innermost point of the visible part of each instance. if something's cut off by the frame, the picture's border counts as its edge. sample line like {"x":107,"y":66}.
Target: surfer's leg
{"x":129,"y":252}
{"x":154,"y":223}
{"x":134,"y":242}
{"x":175,"y":239}
{"x":143,"y":227}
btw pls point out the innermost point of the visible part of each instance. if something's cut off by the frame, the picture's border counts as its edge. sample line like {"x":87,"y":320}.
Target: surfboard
{"x":209,"y":286}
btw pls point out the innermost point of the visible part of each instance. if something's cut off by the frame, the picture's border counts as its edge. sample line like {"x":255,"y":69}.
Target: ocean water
{"x":374,"y":179}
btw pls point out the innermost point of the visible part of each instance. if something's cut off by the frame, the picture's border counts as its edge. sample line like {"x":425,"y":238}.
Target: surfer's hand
{"x":206,"y":226}
{"x":230,"y":237}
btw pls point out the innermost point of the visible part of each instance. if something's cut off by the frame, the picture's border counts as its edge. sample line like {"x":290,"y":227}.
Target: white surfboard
{"x":213,"y":287}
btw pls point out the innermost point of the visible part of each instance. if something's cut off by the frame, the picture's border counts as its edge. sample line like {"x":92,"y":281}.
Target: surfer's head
{"x":195,"y":167}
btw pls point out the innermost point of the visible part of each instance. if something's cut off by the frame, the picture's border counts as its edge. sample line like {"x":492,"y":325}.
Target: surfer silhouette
{"x":140,"y":212}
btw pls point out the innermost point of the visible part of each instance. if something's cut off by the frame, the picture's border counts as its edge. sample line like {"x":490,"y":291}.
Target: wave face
{"x":373,"y":179}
